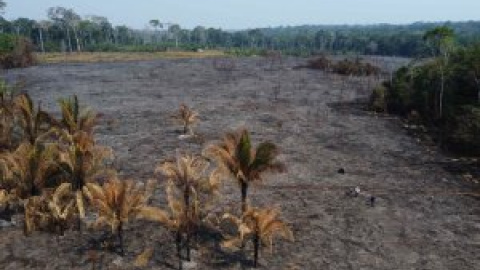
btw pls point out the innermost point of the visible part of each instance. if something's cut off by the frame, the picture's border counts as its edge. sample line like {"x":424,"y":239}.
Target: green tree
{"x":156,"y":24}
{"x":69,"y":21}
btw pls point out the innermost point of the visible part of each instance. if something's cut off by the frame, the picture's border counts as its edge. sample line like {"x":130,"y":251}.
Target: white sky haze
{"x":240,"y":14}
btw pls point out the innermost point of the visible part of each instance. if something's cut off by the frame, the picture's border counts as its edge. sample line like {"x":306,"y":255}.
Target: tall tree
{"x":175,"y":29}
{"x":440,"y":40}
{"x":41,"y":27}
{"x":156,"y":24}
{"x":69,"y":20}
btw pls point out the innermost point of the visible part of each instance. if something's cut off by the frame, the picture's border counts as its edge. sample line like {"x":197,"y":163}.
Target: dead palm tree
{"x":174,"y":220}
{"x":187,"y":117}
{"x":34,"y":123}
{"x":53,"y":212}
{"x":27,"y":168}
{"x":73,"y":119}
{"x":188,"y":179}
{"x":244,"y":162}
{"x":82,"y":161}
{"x":117,"y":202}
{"x":179,"y":218}
{"x":260,"y":226}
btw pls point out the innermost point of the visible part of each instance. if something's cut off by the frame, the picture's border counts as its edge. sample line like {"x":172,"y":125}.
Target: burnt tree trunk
{"x":186,"y":197}
{"x":120,"y":238}
{"x":244,"y":187}
{"x":256,"y":246}
{"x":178,"y":242}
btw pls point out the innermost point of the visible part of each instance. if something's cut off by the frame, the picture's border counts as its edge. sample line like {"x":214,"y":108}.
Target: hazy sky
{"x":238,"y":14}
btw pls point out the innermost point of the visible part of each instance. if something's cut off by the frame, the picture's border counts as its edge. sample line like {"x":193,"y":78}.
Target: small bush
{"x":344,"y":67}
{"x":321,"y":63}
{"x":464,"y":130}
{"x":15,"y":52}
{"x":377,"y":99}
{"x":355,"y":68}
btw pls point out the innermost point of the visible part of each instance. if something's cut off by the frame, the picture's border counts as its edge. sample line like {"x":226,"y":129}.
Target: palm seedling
{"x":117,"y":202}
{"x":244,"y":162}
{"x":34,"y":123}
{"x":188,"y":179}
{"x":260,"y":226}
{"x":27,"y":169}
{"x":73,"y":119}
{"x":52,"y":212}
{"x":187,"y":117}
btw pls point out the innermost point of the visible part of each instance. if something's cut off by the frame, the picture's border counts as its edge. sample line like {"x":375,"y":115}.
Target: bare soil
{"x":419,"y":221}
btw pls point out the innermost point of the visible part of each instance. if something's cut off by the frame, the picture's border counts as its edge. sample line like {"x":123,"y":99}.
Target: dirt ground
{"x":419,"y":220}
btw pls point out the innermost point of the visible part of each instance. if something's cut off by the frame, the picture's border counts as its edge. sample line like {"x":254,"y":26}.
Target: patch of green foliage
{"x":416,"y":88}
{"x":15,"y":52}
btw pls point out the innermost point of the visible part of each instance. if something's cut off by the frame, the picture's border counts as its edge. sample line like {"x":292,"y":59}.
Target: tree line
{"x":440,"y":95}
{"x":65,"y":30}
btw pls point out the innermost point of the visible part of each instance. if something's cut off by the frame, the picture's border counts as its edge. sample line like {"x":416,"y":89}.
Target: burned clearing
{"x":420,"y":218}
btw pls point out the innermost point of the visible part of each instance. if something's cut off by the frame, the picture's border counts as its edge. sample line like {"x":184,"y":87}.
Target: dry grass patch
{"x":96,"y":57}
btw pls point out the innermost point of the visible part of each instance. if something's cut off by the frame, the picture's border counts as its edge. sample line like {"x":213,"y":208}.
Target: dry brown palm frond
{"x":81,"y":161}
{"x":117,"y":202}
{"x":187,"y":117}
{"x":188,"y":178}
{"x":28,"y":168}
{"x":9,"y":203}
{"x":34,"y":123}
{"x":260,"y":226}
{"x":143,"y":258}
{"x":51,"y":212}
{"x":73,"y":119}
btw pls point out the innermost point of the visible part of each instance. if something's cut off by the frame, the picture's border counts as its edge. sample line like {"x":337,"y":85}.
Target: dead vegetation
{"x":63,"y":178}
{"x":346,"y":66}
{"x":108,"y":57}
{"x":320,"y":127}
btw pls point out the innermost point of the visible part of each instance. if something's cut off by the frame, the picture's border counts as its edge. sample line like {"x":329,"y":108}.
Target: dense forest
{"x":65,"y":30}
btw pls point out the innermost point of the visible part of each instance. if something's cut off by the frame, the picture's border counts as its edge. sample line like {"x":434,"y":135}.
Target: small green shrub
{"x":15,"y":52}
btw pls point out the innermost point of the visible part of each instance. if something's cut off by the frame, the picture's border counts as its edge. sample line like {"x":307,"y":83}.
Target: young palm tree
{"x":187,"y":117}
{"x":187,"y":179}
{"x":73,"y":119}
{"x":260,"y":226}
{"x":117,"y":202}
{"x":33,"y":123}
{"x":244,"y":162}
